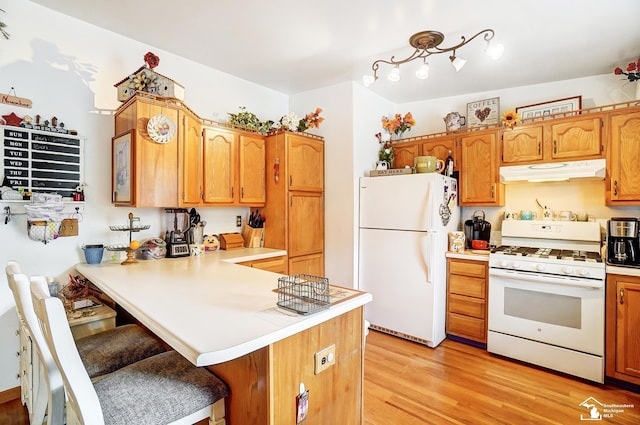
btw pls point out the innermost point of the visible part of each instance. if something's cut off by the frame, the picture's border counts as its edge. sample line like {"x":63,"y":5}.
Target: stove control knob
{"x":515,"y":265}
{"x":567,"y":270}
{"x":583,"y":272}
{"x":504,"y":263}
{"x":540,"y":267}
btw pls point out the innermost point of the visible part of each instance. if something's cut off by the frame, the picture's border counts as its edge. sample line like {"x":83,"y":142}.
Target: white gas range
{"x":546,"y":296}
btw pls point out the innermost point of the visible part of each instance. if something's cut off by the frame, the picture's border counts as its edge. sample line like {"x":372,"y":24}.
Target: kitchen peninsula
{"x":224,"y":316}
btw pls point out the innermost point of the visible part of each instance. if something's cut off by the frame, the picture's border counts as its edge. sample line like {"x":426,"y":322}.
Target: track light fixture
{"x":426,"y":44}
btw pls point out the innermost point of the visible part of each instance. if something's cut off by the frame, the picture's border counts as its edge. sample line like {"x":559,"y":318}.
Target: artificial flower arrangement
{"x":633,"y":71}
{"x":292,"y":122}
{"x":398,"y":124}
{"x":386,"y":150}
{"x":510,"y":118}
{"x":250,"y":121}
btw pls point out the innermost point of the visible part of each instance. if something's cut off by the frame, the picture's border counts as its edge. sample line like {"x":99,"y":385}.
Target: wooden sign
{"x":23,"y":102}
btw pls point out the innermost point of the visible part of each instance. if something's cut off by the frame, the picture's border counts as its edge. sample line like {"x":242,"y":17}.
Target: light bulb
{"x":367,"y":80}
{"x":457,"y":62}
{"x":394,"y":75}
{"x":494,"y":51}
{"x":423,"y":72}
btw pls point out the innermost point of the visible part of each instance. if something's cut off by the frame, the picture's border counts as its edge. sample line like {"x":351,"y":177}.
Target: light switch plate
{"x":325,"y":358}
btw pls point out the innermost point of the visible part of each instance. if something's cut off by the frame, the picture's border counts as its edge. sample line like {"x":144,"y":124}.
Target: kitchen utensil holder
{"x":253,"y":236}
{"x":303,"y":293}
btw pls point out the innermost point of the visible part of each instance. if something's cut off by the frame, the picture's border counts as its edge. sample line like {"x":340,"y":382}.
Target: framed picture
{"x":541,"y":110}
{"x":122,"y":163}
{"x":483,"y":112}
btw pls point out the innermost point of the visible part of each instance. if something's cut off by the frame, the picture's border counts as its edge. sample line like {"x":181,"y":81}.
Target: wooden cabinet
{"x":294,"y":209}
{"x":153,"y":167}
{"x":522,"y":144}
{"x":273,"y":264}
{"x":404,"y":153}
{"x":479,"y":175}
{"x":467,"y":299}
{"x":623,"y":183}
{"x":622,"y":321}
{"x":234,"y":167}
{"x":190,"y":158}
{"x":555,"y":140}
{"x":440,"y":148}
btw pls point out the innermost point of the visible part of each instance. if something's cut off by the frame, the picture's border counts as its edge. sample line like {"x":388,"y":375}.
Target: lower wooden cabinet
{"x":273,"y":264}
{"x":467,"y":299}
{"x":622,"y":353}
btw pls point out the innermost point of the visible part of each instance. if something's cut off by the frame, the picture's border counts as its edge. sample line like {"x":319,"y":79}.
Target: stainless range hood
{"x":593,"y":169}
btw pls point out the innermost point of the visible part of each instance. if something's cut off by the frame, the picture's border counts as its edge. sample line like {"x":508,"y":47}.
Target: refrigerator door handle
{"x":428,"y":254}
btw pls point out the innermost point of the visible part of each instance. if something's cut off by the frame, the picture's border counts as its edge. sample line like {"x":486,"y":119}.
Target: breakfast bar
{"x":224,"y":316}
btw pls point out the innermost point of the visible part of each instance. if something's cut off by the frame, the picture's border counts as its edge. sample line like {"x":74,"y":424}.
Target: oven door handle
{"x":546,"y":279}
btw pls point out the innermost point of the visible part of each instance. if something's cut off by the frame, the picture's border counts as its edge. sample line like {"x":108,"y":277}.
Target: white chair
{"x":47,"y":385}
{"x":163,"y":389}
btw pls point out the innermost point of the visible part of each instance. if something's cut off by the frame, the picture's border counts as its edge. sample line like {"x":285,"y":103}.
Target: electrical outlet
{"x":325,"y":358}
{"x":238,"y":221}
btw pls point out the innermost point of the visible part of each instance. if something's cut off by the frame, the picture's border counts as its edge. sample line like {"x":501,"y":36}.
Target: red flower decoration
{"x":633,"y":71}
{"x":151,"y":60}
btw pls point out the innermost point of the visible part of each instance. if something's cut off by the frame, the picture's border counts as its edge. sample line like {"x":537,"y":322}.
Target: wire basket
{"x":43,"y":230}
{"x":303,"y":293}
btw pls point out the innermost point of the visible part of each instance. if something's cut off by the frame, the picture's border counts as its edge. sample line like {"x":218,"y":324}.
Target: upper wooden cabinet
{"x":153,"y":166}
{"x":479,"y":176}
{"x":556,"y":140}
{"x":404,"y":153}
{"x":234,"y":170}
{"x":623,"y":182}
{"x":190,"y":160}
{"x":440,"y":148}
{"x":305,"y":163}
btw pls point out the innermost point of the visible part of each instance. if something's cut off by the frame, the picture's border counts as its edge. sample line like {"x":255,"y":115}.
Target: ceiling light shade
{"x":367,"y":80}
{"x":394,"y":75}
{"x":423,"y":72}
{"x":457,"y":62}
{"x":495,"y":51}
{"x":427,"y":43}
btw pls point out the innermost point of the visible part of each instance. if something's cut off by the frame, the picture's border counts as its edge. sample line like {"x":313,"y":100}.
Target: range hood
{"x":594,"y":169}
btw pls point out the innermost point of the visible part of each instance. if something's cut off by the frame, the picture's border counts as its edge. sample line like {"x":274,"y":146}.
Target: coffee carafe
{"x":623,"y":243}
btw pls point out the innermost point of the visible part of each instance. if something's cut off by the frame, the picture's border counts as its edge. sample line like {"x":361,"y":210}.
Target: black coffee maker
{"x":477,"y":228}
{"x":623,"y":244}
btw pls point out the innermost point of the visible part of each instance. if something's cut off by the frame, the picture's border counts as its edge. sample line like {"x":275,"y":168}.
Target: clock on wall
{"x":161,"y":128}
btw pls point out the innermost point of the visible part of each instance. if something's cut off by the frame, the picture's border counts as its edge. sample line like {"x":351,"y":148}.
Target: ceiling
{"x":294,"y":46}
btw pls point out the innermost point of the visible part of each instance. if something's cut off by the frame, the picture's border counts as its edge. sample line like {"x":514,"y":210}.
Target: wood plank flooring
{"x":410,"y":384}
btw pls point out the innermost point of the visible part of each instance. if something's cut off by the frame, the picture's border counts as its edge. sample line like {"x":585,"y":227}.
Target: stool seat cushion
{"x":157,"y":390}
{"x":115,"y":348}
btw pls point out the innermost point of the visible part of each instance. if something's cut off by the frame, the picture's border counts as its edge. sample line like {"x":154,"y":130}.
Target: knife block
{"x":253,"y":237}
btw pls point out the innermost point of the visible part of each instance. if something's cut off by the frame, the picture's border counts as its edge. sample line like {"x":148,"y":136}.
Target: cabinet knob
{"x":555,"y":146}
{"x":621,"y":296}
{"x":615,"y":187}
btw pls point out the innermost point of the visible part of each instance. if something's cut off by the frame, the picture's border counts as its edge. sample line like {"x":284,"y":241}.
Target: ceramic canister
{"x":456,"y":241}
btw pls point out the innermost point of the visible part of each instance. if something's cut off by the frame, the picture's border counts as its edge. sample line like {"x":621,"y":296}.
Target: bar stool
{"x":165,"y":388}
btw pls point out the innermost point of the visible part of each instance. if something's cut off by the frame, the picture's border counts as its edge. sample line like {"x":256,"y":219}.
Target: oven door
{"x":565,"y":312}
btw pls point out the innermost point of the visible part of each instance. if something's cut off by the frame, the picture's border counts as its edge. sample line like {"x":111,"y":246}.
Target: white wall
{"x":68,"y":69}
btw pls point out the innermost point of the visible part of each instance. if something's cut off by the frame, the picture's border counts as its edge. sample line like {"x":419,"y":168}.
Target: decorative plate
{"x":161,"y":128}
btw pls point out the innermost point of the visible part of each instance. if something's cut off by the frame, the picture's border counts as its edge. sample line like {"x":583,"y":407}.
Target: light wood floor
{"x":409,"y":384}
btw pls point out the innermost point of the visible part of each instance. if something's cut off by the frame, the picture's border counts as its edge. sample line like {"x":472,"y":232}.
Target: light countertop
{"x":469,"y":254}
{"x":625,"y":271}
{"x":205,"y":307}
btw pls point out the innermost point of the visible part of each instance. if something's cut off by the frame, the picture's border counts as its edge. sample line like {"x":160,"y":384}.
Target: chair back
{"x":82,"y":397}
{"x":53,"y":389}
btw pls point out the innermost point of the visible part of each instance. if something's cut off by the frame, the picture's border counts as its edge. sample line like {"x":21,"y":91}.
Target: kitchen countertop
{"x":625,"y":271}
{"x":205,"y":307}
{"x":469,"y":254}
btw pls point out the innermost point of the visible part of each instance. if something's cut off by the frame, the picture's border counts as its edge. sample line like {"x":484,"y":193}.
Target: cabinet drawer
{"x":467,"y":327}
{"x":464,"y":285}
{"x":468,"y":306}
{"x":274,"y":264}
{"x":467,"y":268}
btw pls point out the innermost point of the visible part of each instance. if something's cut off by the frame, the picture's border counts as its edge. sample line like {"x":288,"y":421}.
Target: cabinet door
{"x":312,"y":264}
{"x":440,"y":147}
{"x":220,"y":150}
{"x":305,"y":159}
{"x":627,"y":325}
{"x":252,"y":169}
{"x":577,"y":138}
{"x":190,"y":160}
{"x":403,"y":154}
{"x":624,"y":182}
{"x":479,"y":178}
{"x":306,"y":223}
{"x":522,"y":144}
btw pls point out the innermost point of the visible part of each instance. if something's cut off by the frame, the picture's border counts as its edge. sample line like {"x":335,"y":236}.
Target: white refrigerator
{"x":404,"y":225}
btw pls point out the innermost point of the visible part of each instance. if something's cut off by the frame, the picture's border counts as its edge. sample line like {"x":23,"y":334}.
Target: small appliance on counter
{"x":177,"y":221}
{"x":477,"y":229}
{"x":623,"y":242}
